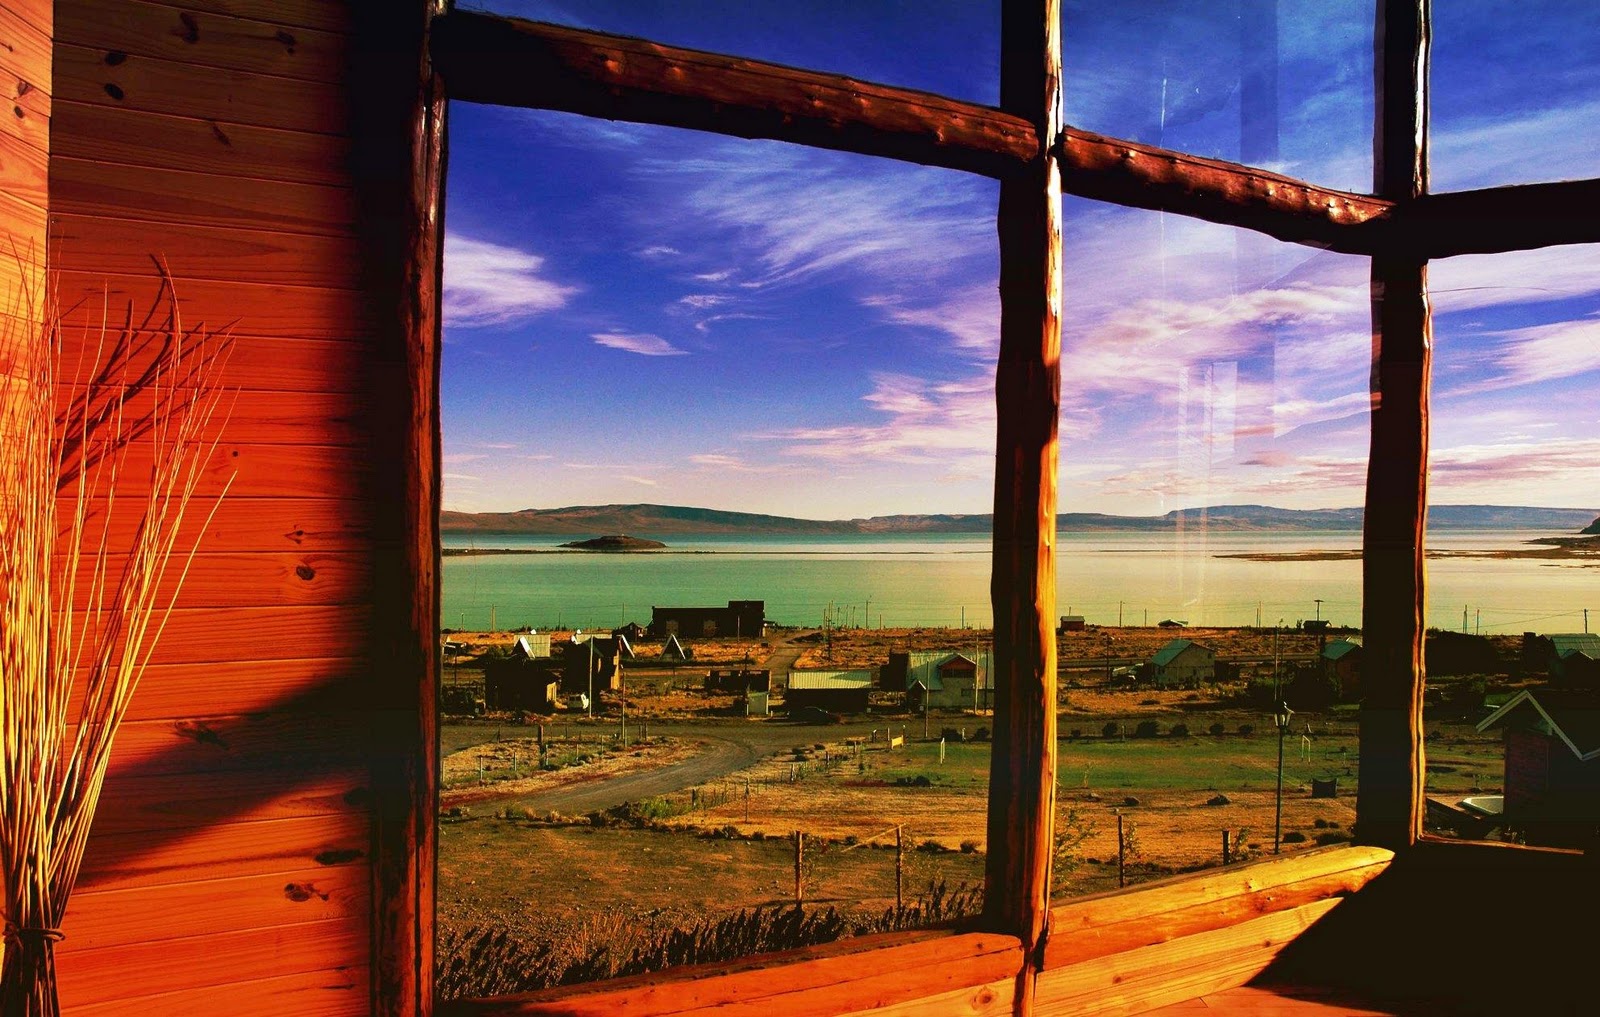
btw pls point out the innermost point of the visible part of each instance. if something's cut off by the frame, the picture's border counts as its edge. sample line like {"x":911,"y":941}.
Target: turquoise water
{"x":944,"y":580}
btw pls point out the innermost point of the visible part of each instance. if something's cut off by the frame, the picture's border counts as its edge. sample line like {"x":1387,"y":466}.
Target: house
{"x":1552,"y":765}
{"x":1341,"y":660}
{"x":632,"y":631}
{"x":593,"y":663}
{"x":834,"y":691}
{"x":740,"y":619}
{"x":948,"y":681}
{"x":740,"y":680}
{"x":1183,"y":663}
{"x":1570,"y":659}
{"x":531,"y":646}
{"x":1072,"y":623}
{"x":517,"y":683}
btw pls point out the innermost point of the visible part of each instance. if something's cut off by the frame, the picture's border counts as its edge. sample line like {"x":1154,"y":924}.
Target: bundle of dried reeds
{"x":132,"y":432}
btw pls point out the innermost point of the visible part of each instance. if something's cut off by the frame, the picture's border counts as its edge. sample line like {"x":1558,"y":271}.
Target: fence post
{"x":899,"y":868}
{"x":747,"y":799}
{"x":1227,"y":858}
{"x":799,"y":861}
{"x":1121,"y":851}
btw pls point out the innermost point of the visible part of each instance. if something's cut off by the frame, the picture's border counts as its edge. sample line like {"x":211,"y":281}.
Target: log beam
{"x":1498,"y":219}
{"x":513,"y":62}
{"x":1022,"y":779}
{"x":1389,"y":809}
{"x":1143,"y":176}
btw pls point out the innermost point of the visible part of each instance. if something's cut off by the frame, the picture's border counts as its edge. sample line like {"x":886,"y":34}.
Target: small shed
{"x":756,"y":704}
{"x":673,"y":650}
{"x":1341,"y":661}
{"x":1183,"y":663}
{"x":1072,"y":623}
{"x":834,"y":691}
{"x":1552,"y":765}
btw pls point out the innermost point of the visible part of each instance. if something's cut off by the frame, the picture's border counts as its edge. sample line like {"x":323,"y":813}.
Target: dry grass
{"x":67,"y":469}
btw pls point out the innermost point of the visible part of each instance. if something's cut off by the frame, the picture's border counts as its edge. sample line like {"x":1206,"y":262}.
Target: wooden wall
{"x":24,"y":156}
{"x":230,"y":866}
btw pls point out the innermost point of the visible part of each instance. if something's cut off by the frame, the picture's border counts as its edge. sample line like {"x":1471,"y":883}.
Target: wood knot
{"x":305,"y":572}
{"x":200,"y":733}
{"x":18,"y":111}
{"x":23,"y":88}
{"x":115,"y":58}
{"x":190,"y":32}
{"x":342,"y":856}
{"x":114,"y":91}
{"x":287,"y":39}
{"x":302,"y":892}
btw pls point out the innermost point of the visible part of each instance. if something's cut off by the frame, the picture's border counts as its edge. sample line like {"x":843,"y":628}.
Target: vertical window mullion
{"x":1022,"y":781}
{"x":1389,"y":807}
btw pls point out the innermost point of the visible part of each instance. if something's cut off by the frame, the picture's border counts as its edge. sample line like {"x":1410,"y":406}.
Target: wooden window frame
{"x":1036,"y":157}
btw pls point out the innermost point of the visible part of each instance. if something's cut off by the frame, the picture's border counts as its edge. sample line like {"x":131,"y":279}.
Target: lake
{"x":943,"y":580}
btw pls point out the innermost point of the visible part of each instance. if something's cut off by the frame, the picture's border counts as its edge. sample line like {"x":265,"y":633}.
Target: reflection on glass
{"x":1214,"y":442}
{"x":772,"y":731}
{"x":1513,"y":473}
{"x":950,"y":47}
{"x":1287,"y":87}
{"x":1515,"y":95}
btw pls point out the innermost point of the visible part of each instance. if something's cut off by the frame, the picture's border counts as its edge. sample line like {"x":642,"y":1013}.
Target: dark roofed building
{"x":1570,"y":659}
{"x":739,"y":618}
{"x":834,"y":691}
{"x":1552,"y":766}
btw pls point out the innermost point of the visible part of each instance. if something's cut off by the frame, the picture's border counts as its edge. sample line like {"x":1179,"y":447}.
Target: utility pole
{"x":1464,"y":629}
{"x":491,"y":618}
{"x":1275,"y":631}
{"x":1119,"y":614}
{"x":1319,"y":607}
{"x":591,"y":675}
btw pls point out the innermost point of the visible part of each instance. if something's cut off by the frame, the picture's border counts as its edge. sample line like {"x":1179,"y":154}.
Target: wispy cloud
{"x":658,"y":251}
{"x":646,"y":481}
{"x":924,"y":422}
{"x":489,"y":284}
{"x":703,"y":301}
{"x":642,"y":343}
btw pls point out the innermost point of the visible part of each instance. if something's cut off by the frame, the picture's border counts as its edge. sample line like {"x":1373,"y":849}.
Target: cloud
{"x":658,"y":251}
{"x":1493,"y":150}
{"x":464,"y":457}
{"x":970,"y":315}
{"x":703,"y":301}
{"x":926,"y":422}
{"x":642,"y":343}
{"x":459,"y":476}
{"x":715,"y":277}
{"x":1475,"y":281}
{"x":646,"y":481}
{"x":489,"y":284}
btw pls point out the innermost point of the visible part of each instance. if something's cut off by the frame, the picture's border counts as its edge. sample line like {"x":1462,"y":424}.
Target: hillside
{"x":665,"y":520}
{"x":1593,"y":527}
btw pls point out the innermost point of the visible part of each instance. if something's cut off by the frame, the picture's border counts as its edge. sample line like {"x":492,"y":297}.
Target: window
{"x":1401,"y":226}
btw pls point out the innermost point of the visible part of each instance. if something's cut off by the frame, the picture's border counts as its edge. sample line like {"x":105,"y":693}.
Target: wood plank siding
{"x":25,"y":82}
{"x":231,"y":866}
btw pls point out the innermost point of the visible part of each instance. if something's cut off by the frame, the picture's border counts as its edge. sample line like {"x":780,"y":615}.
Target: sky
{"x":641,"y":314}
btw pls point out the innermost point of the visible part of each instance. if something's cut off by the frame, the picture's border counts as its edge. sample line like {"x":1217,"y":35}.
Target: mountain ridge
{"x":659,"y":520}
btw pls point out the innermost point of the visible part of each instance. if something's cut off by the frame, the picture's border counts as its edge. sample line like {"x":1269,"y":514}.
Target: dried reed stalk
{"x":72,"y":454}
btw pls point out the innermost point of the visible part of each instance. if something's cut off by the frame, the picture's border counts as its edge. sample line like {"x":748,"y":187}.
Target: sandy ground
{"x":462,"y":766}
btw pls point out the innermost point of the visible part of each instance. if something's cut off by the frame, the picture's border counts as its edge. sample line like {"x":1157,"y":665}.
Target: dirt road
{"x":729,"y":746}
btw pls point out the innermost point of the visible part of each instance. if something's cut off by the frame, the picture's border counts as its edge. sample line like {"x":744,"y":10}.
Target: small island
{"x":615,"y":542}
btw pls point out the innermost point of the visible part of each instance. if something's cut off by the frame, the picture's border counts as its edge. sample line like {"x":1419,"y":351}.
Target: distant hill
{"x":664,"y":520}
{"x":1593,"y":527}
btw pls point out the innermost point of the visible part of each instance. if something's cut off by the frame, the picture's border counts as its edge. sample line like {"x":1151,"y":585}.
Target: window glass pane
{"x":779,"y":363}
{"x":1214,"y":441}
{"x":951,"y":47}
{"x":1287,"y":87}
{"x":1513,"y":473}
{"x":1515,"y":93}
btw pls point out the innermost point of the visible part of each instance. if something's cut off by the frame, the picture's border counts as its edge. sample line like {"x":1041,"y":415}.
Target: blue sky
{"x":641,"y":314}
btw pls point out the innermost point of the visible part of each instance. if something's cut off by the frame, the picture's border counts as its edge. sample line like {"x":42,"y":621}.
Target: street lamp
{"x":1280,"y":716}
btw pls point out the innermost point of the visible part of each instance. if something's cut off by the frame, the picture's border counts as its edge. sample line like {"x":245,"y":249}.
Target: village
{"x":708,"y":761}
